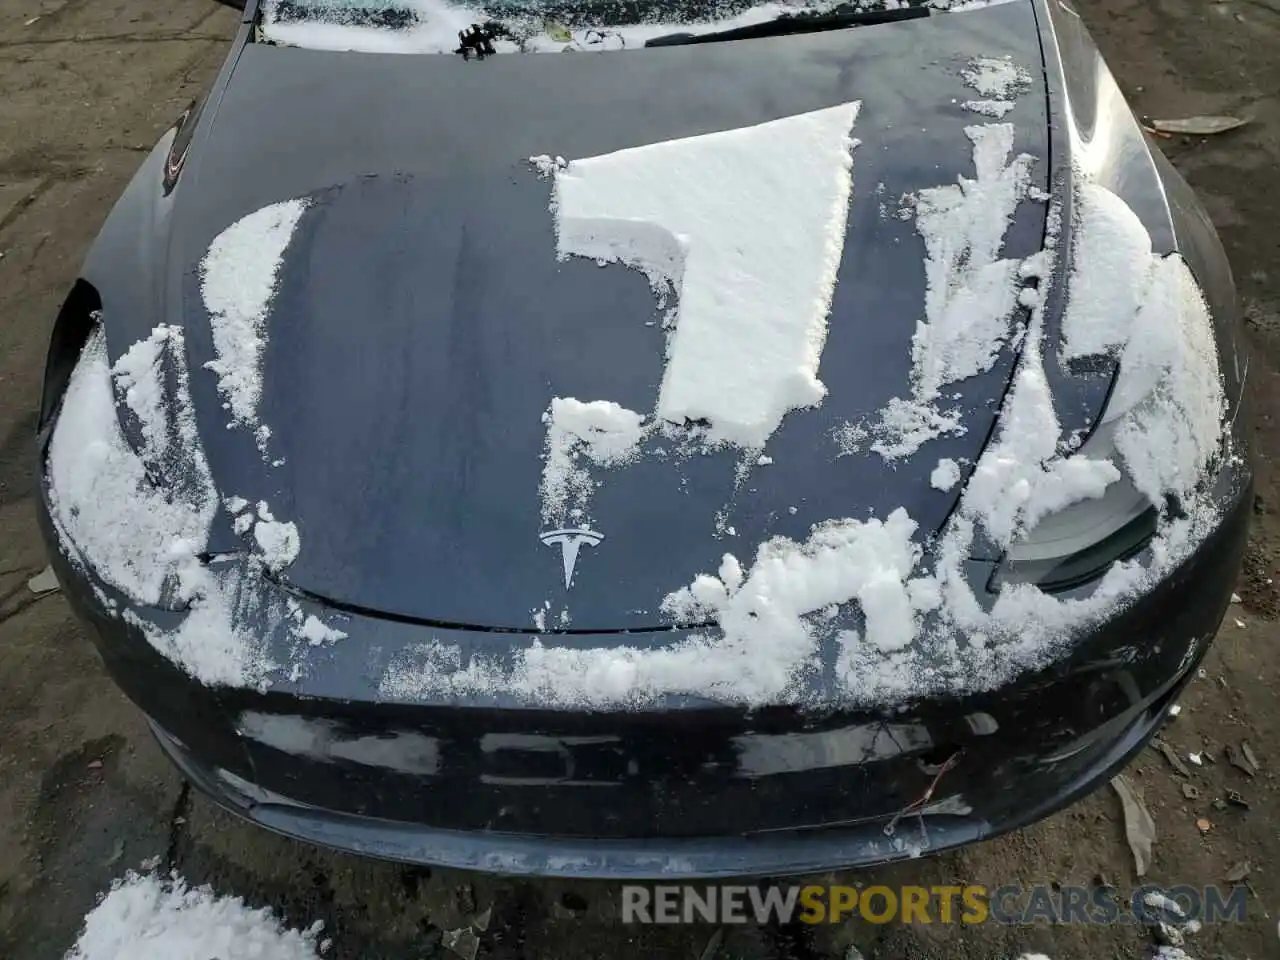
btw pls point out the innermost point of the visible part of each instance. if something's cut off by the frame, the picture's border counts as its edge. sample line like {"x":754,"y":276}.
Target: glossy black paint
{"x":424,"y":324}
{"x":425,"y":272}
{"x":688,"y":790}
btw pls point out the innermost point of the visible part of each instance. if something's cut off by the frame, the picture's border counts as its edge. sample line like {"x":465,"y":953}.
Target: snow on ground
{"x":754,"y":291}
{"x":238,"y":278}
{"x":146,"y":917}
{"x":435,"y":25}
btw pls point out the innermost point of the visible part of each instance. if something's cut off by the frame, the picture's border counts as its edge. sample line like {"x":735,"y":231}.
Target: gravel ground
{"x":89,"y":85}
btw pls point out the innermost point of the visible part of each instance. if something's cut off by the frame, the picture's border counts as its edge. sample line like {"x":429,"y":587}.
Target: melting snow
{"x":238,"y":280}
{"x":945,"y":475}
{"x":316,"y":632}
{"x":971,"y":291}
{"x":145,"y":916}
{"x":108,"y":511}
{"x":990,"y":108}
{"x":1170,"y":392}
{"x":141,"y":519}
{"x":753,"y":292}
{"x":1103,"y":302}
{"x":848,"y":438}
{"x":904,"y":627}
{"x":278,"y":542}
{"x":209,"y":644}
{"x":754,"y":657}
{"x":1021,"y":476}
{"x":996,"y":78}
{"x":578,"y":433}
{"x":1019,"y":479}
{"x":332,"y":26}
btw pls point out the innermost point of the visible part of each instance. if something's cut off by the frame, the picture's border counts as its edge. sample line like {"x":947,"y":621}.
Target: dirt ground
{"x":88,"y":86}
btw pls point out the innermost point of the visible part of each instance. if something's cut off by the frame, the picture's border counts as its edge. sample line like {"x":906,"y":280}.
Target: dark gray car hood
{"x":423,"y":324}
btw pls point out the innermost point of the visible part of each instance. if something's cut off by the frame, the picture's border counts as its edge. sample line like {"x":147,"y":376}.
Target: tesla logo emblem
{"x":570,"y":542}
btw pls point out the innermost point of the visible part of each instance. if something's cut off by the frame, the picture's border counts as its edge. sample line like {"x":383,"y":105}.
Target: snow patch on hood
{"x":139,"y":519}
{"x":754,"y":292}
{"x":316,"y":632}
{"x":277,"y":540}
{"x":971,"y":293}
{"x":1167,"y":412}
{"x":766,"y":635}
{"x":142,"y":530}
{"x":238,"y":279}
{"x":903,"y":623}
{"x":578,"y":434}
{"x":945,"y":475}
{"x":998,"y":82}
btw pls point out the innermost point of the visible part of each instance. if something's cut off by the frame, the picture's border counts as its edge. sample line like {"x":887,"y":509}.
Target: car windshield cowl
{"x":538,"y":26}
{"x":803,"y":21}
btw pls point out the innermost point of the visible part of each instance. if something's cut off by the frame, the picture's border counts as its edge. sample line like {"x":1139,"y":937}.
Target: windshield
{"x":534,"y":26}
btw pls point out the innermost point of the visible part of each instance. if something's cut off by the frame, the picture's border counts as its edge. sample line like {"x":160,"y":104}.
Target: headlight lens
{"x":1162,"y":427}
{"x":1074,"y":545}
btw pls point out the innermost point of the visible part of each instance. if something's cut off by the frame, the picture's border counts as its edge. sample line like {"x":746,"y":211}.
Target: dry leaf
{"x":43,"y":582}
{"x":1139,"y":828}
{"x":1198,"y":126}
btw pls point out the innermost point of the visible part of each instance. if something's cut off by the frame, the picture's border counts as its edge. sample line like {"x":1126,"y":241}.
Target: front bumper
{"x":776,"y":854}
{"x":693,"y":791}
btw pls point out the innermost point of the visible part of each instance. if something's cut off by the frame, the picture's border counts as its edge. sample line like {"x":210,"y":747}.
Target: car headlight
{"x":1078,"y":543}
{"x":1162,"y":427}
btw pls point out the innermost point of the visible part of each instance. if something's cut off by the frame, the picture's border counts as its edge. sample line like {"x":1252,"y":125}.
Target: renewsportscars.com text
{"x":969,"y":904}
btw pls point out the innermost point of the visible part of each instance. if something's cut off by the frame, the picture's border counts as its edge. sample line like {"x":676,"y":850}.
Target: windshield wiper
{"x":809,"y":21}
